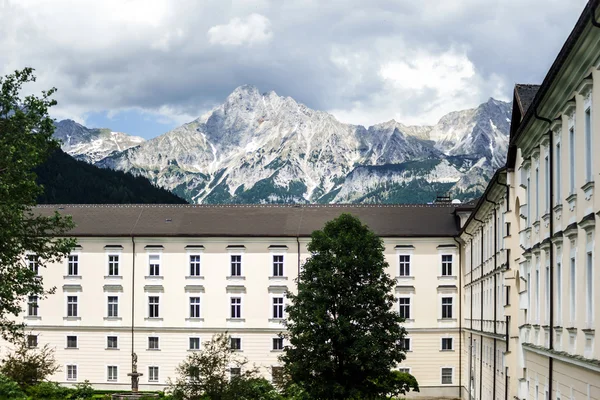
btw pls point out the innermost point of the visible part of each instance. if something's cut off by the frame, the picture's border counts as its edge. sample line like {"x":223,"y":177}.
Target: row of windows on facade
{"x":535,"y":290}
{"x":154,"y":307}
{"x":404,"y":265}
{"x":486,"y":356}
{"x":588,"y":168}
{"x":154,"y":268}
{"x":404,"y":307}
{"x":112,"y":343}
{"x":112,"y":373}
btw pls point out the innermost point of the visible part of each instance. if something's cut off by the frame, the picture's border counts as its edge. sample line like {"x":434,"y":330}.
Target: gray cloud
{"x":364,"y":61}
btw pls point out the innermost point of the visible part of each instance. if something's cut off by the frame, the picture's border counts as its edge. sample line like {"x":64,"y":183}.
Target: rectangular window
{"x":571,"y":161}
{"x":234,"y":372}
{"x":404,"y":307}
{"x":194,"y":307}
{"x":71,"y":372}
{"x":236,"y":265}
{"x":446,"y":376}
{"x":404,"y":370}
{"x":154,"y":264}
{"x":112,"y":342}
{"x":572,"y":287}
{"x":547,"y":184}
{"x":72,"y":306}
{"x":537,"y":194}
{"x":405,"y":344}
{"x":537,"y":291}
{"x":446,"y":307}
{"x":404,"y":265}
{"x":507,"y":296}
{"x":236,"y":307}
{"x":446,"y":264}
{"x":277,"y":343}
{"x":153,"y":307}
{"x":559,"y":292}
{"x":32,"y":306}
{"x":113,"y":306}
{"x":152,"y":374}
{"x":277,"y":307}
{"x":588,"y":145}
{"x":71,"y":342}
{"x":528,"y":193}
{"x":277,"y":376}
{"x":33,"y":263}
{"x":236,"y":343}
{"x":153,"y":343}
{"x":194,"y":343}
{"x":278,"y":265}
{"x":113,"y":265}
{"x":589,"y":279}
{"x":547,"y":294}
{"x":194,"y":265}
{"x":32,"y":341}
{"x":73,"y":265}
{"x":447,"y":344}
{"x":111,"y":373}
{"x":558,"y":194}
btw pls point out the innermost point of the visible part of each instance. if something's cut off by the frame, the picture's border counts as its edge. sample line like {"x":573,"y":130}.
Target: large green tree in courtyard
{"x":25,"y":142}
{"x":344,"y":335}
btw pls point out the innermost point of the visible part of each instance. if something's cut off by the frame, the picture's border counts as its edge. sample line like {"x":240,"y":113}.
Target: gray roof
{"x":525,"y":95}
{"x":253,"y":220}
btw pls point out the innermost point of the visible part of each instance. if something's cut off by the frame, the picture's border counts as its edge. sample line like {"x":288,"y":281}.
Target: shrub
{"x":49,"y":391}
{"x":10,"y":389}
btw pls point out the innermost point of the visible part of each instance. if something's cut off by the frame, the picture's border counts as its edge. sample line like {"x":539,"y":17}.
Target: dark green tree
{"x":25,"y":142}
{"x":345,"y":338}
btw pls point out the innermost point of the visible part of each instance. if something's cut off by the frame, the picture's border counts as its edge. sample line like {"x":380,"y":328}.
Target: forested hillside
{"x":69,"y":181}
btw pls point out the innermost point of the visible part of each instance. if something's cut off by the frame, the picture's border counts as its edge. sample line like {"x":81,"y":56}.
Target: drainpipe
{"x":459,"y":318}
{"x":481,"y":314}
{"x":133,"y":356}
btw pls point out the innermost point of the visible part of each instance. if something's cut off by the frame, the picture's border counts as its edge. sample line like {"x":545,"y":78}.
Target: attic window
{"x":168,"y":220}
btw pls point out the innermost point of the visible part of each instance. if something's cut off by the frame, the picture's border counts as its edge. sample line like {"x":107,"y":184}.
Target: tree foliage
{"x":69,"y":181}
{"x":25,"y":142}
{"x":29,"y":366}
{"x":344,"y":336}
{"x":206,"y":374}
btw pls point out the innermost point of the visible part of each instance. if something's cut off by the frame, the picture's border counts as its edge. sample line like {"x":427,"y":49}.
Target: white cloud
{"x":253,"y":29}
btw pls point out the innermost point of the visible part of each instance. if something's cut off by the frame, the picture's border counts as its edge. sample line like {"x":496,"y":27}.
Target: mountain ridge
{"x":265,"y":148}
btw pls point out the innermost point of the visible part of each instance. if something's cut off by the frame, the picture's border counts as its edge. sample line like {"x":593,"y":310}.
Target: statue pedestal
{"x":134,"y":395}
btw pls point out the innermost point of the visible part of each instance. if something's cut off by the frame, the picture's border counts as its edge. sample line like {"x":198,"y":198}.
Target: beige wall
{"x":257,"y":287}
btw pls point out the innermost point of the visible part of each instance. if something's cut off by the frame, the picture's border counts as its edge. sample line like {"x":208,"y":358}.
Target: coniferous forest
{"x":70,"y":181}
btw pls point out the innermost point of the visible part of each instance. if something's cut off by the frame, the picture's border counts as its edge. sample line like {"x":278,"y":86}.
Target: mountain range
{"x":265,"y":148}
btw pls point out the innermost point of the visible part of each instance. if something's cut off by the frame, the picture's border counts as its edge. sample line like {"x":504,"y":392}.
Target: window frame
{"x":447,"y":264}
{"x":194,"y":339}
{"x":154,"y":265}
{"x":195,"y":265}
{"x":235,"y":303}
{"x":33,"y":263}
{"x":72,"y":306}
{"x":445,"y":340}
{"x":108,"y":373}
{"x":451,"y":375}
{"x":108,"y":340}
{"x":69,"y":340}
{"x":235,"y":343}
{"x":69,"y":370}
{"x":113,"y":265}
{"x":447,"y":308}
{"x":73,"y":265}
{"x":153,"y":339}
{"x":33,"y":306}
{"x":195,"y":309}
{"x":278,"y":307}
{"x":277,"y":344}
{"x":235,"y":266}
{"x":404,"y":306}
{"x":278,"y":265}
{"x":32,"y":344}
{"x":153,"y":307}
{"x":153,"y":378}
{"x":112,"y":307}
{"x":404,"y":266}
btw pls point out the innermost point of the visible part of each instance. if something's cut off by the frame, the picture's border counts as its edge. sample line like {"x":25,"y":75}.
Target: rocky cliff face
{"x":263,"y":148}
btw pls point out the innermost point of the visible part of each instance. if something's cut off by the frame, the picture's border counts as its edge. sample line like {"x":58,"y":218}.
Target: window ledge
{"x":195,"y":277}
{"x":236,"y":319}
{"x":71,"y":318}
{"x":447,"y":350}
{"x":277,"y":351}
{"x":112,"y":348}
{"x":236,"y":278}
{"x":276,"y":278}
{"x":409,"y":320}
{"x":157,"y":277}
{"x":194,"y":319}
{"x":448,"y":277}
{"x":588,"y":190}
{"x":405,"y":277}
{"x":572,"y":200}
{"x":113,"y":318}
{"x":71,"y":348}
{"x":192,"y":350}
{"x":446,"y":319}
{"x":276,"y":320}
{"x":72,"y":277}
{"x":152,"y":319}
{"x":113,"y":277}
{"x":32,"y":317}
{"x":153,"y":349}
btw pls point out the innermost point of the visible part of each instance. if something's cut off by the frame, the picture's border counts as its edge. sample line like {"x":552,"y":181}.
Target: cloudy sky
{"x":146,"y":66}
